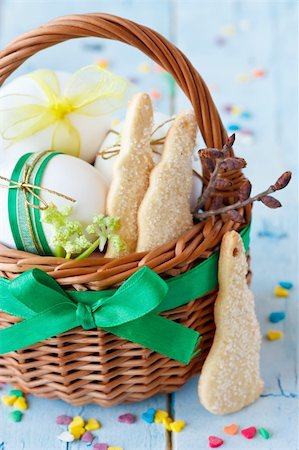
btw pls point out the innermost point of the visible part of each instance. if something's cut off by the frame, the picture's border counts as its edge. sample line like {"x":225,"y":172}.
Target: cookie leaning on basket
{"x":61,"y":216}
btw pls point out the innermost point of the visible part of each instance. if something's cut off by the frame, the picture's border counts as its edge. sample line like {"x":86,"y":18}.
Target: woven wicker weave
{"x":95,"y":366}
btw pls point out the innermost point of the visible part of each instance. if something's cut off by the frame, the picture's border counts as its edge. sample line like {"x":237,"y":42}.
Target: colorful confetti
{"x":149,"y":415}
{"x":144,"y":67}
{"x":63,"y":420}
{"x":286,"y":284}
{"x":249,"y":433}
{"x":264,"y":433}
{"x":127,"y":418}
{"x":231,"y":429}
{"x":277,"y":316}
{"x":229,"y":30}
{"x":100,"y":446}
{"x":215,"y":441}
{"x":103,"y":63}
{"x":279,"y":291}
{"x":15,"y":416}
{"x":274,"y":335}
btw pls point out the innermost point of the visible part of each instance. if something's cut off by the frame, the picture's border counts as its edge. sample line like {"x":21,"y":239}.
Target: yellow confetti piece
{"x":229,"y":30}
{"x":144,"y":68}
{"x":92,"y":424}
{"x":236,"y":110}
{"x":76,"y":430}
{"x":274,"y":335}
{"x":103,"y":63}
{"x":8,"y":400}
{"x":20,"y":403}
{"x":177,"y":426}
{"x":280,"y":292}
{"x":160,"y":415}
{"x":77,"y":420}
{"x":115,"y":448}
{"x":166,"y":422}
{"x":243,"y":78}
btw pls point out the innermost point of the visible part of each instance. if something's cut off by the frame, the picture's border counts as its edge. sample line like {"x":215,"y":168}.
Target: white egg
{"x":69,"y":176}
{"x":92,"y":130}
{"x":105,"y":165}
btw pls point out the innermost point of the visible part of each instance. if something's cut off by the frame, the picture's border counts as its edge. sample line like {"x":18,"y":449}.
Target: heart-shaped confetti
{"x":87,"y":437}
{"x":231,"y":429}
{"x":149,"y":415}
{"x":76,"y":430}
{"x":160,"y":415}
{"x":15,"y":416}
{"x":177,"y":425}
{"x":16,"y":392}
{"x":100,"y":446}
{"x":63,"y":420}
{"x":8,"y":400}
{"x":215,"y":441}
{"x":20,"y":403}
{"x":77,"y":421}
{"x":249,"y":433}
{"x":92,"y":424}
{"x":166,"y":422}
{"x":126,"y":418}
{"x":65,"y":436}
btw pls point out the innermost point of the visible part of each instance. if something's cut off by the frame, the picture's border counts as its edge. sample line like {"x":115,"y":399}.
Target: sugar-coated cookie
{"x":164,"y":213}
{"x":230,"y":377}
{"x":131,"y":171}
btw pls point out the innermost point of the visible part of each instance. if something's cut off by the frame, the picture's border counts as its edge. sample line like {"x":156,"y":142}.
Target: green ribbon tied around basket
{"x":130,"y":312}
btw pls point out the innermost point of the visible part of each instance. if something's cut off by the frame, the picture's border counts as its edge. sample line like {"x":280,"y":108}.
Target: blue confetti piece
{"x":277,"y":316}
{"x":233,"y":127}
{"x":149,"y":415}
{"x":246,"y":115}
{"x":286,"y":284}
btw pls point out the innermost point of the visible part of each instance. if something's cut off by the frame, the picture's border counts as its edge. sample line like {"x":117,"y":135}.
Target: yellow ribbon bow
{"x":91,"y":91}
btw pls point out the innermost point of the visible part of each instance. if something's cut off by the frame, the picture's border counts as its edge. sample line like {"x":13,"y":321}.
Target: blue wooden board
{"x":227,"y":42}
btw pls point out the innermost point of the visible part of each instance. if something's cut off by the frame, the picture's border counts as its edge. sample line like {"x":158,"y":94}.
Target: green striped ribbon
{"x":24,"y":220}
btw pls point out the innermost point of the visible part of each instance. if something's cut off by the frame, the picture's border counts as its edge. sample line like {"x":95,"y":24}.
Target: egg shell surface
{"x":69,"y":176}
{"x":92,"y":130}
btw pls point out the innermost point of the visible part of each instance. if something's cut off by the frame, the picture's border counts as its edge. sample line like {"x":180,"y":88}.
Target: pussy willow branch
{"x":212,"y":181}
{"x":210,"y":187}
{"x":280,"y":184}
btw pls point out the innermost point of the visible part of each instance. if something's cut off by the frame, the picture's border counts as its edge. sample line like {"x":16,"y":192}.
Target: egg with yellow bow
{"x":69,"y":113}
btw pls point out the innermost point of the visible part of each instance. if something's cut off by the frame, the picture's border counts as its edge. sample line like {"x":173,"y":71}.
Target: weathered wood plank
{"x":277,"y":414}
{"x":38,"y":428}
{"x":269,"y":42}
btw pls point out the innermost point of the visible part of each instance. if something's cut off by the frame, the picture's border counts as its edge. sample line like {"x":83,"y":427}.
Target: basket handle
{"x":145,"y":39}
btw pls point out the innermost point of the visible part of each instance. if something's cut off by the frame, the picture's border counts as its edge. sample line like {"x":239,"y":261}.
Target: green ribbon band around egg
{"x":24,"y":201}
{"x":130,"y":312}
{"x":91,"y":91}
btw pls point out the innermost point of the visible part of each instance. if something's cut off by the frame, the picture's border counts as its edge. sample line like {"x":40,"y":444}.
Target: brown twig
{"x":216,"y":160}
{"x":264,"y":197}
{"x":210,"y":187}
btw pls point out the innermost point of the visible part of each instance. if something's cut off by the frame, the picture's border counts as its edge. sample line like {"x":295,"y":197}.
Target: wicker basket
{"x":83,"y":366}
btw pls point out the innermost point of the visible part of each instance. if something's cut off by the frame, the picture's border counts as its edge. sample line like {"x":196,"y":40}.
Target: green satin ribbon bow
{"x":130,"y":312}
